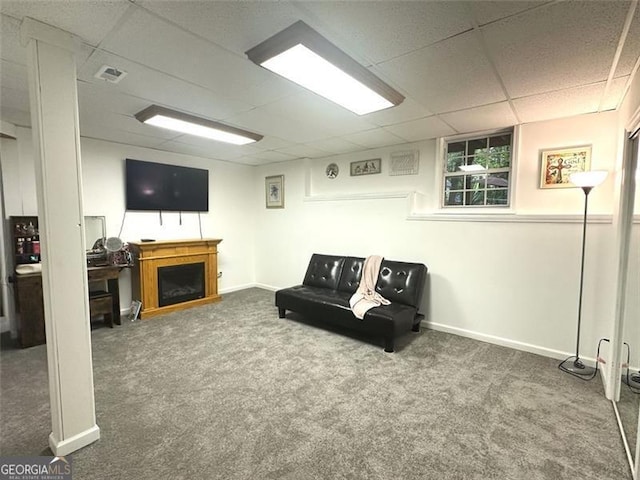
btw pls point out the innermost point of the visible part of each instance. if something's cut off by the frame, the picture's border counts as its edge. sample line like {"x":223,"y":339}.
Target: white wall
{"x":230,"y":215}
{"x":505,"y":281}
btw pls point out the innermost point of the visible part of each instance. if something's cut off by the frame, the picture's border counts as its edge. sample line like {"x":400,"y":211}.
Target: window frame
{"x":442,"y":148}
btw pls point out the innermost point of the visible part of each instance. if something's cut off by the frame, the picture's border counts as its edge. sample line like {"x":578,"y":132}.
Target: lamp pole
{"x":573,"y":365}
{"x":586,"y":190}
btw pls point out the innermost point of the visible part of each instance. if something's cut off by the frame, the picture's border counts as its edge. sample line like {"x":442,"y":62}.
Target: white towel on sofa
{"x":366,"y":296}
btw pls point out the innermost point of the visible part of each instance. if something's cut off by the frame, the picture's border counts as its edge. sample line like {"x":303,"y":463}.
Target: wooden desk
{"x":30,"y":306}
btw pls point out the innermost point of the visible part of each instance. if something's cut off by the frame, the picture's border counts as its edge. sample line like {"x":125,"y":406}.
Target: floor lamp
{"x":587,"y":181}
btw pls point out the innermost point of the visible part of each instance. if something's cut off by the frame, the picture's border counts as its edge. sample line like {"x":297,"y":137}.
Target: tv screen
{"x":157,"y":186}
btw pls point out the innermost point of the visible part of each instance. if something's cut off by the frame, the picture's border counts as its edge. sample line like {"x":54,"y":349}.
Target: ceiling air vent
{"x":110,"y":74}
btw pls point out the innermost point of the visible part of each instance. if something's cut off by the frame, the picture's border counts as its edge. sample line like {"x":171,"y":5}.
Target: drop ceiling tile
{"x":270,"y":156}
{"x":319,"y":113}
{"x":237,"y":26}
{"x":375,"y":138}
{"x":251,"y":161}
{"x":489,"y":11}
{"x":272,"y":89}
{"x":631,"y":49}
{"x":101,"y":132}
{"x":185,"y":149}
{"x":613,"y":96}
{"x":157,"y":87}
{"x":541,"y":51}
{"x":106,"y":98}
{"x":407,"y":110}
{"x":91,"y":20}
{"x":563,"y":103}
{"x":421,"y":129}
{"x":272,"y":143}
{"x":335,"y":145}
{"x":487,"y":117}
{"x":301,"y":151}
{"x":295,"y":130}
{"x":148,"y":40}
{"x":379,"y":31}
{"x":10,"y":48}
{"x":451,"y":75}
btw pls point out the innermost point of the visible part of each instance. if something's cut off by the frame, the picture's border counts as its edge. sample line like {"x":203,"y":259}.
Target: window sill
{"x":507,"y":217}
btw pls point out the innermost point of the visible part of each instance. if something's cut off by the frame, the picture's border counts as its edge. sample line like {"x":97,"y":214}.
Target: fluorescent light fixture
{"x":592,"y":178}
{"x":305,"y":57}
{"x":472,"y":168}
{"x":184,"y":123}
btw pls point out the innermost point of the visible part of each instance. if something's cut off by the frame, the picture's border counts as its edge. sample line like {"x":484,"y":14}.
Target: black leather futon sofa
{"x":330,"y":282}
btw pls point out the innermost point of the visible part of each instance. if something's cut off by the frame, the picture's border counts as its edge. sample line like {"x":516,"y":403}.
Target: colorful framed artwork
{"x":274,"y":191}
{"x":556,"y":165}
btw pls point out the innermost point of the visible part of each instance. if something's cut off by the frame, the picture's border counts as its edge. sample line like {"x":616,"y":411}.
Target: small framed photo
{"x":556,"y":165}
{"x":134,"y":310}
{"x":274,"y":191}
{"x":366,"y":167}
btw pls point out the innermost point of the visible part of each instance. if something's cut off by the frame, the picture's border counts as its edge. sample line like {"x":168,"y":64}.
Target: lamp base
{"x":574,"y":366}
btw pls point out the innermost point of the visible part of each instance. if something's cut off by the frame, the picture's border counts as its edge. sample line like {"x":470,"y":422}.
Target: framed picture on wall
{"x":274,"y":191}
{"x":366,"y":167}
{"x":556,"y":165}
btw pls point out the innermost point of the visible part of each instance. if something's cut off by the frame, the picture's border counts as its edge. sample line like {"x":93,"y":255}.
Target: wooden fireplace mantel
{"x":149,"y":256}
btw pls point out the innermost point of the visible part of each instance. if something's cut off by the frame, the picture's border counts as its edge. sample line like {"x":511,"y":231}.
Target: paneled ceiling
{"x":463,"y":66}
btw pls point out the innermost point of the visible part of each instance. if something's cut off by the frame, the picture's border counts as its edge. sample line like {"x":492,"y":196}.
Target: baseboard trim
{"x":266,"y":287}
{"x":506,"y":342}
{"x":61,"y":448}
{"x":237,"y":288}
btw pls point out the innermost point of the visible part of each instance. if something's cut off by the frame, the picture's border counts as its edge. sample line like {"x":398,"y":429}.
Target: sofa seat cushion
{"x":393,"y":318}
{"x":316,"y":297}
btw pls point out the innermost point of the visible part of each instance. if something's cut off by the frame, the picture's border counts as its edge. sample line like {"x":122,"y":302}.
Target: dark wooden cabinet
{"x":29,"y":306}
{"x":26,"y":239}
{"x":29,"y":303}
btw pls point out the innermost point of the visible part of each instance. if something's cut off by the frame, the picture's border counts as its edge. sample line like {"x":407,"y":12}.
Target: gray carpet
{"x":229,"y":391}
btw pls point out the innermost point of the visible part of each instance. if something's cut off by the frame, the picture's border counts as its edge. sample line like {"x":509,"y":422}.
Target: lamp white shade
{"x":592,"y":178}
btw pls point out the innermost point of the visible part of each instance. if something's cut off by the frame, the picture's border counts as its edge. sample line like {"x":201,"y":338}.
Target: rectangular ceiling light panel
{"x":191,"y":125}
{"x":303,"y":56}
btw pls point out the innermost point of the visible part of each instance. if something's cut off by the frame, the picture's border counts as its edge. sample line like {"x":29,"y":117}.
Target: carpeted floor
{"x":230,"y":391}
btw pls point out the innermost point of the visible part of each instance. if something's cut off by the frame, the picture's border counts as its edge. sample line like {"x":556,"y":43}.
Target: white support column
{"x":56,"y":138}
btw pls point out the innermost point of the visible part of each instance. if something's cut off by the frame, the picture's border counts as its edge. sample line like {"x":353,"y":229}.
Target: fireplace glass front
{"x":180,"y":283}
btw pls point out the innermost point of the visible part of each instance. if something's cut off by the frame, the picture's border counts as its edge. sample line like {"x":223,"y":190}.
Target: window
{"x":477,"y":171}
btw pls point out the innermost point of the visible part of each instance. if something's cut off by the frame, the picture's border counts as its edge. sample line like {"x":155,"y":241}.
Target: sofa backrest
{"x":324,"y":271}
{"x":351,"y":274}
{"x":401,"y":282}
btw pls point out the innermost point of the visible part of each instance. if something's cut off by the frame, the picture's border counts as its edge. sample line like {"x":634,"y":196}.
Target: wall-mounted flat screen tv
{"x":158,"y":186}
